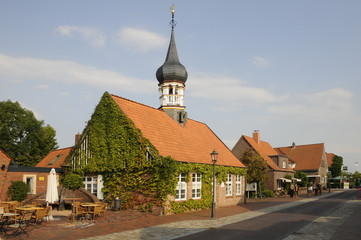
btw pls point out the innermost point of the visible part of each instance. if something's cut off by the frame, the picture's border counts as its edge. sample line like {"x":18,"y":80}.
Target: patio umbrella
{"x":52,"y":190}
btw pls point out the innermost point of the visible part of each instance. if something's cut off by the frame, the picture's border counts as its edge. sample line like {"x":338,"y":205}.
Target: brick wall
{"x":40,"y":181}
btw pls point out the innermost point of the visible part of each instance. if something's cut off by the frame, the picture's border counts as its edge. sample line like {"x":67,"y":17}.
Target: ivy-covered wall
{"x":131,"y":166}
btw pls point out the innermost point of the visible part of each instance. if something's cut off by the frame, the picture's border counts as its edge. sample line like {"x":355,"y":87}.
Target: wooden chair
{"x":103,"y":208}
{"x":47,"y":213}
{"x":5,"y":206}
{"x":39,"y":215}
{"x":20,"y":225}
{"x":95,"y":211}
{"x":79,"y":211}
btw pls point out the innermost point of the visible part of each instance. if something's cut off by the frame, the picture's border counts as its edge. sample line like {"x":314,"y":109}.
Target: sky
{"x":290,"y":69}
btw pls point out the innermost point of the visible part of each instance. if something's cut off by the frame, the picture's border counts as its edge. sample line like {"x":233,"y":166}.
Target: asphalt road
{"x":280,"y":224}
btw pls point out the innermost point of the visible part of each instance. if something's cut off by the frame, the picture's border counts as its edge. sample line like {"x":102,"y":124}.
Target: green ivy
{"x":118,"y":152}
{"x":207,"y":179}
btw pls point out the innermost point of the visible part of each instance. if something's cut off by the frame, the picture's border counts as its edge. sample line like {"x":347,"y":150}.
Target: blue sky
{"x":290,"y":69}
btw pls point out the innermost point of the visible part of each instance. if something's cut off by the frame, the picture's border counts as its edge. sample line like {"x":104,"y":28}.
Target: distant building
{"x":310,"y":159}
{"x":278,"y":163}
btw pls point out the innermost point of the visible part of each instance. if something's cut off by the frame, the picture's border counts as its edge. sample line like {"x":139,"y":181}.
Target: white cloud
{"x":42,"y":87}
{"x":228,"y":90}
{"x":91,"y":35}
{"x":141,"y":40}
{"x":317,"y":107}
{"x":64,"y":94}
{"x":69,"y":72}
{"x":259,"y":61}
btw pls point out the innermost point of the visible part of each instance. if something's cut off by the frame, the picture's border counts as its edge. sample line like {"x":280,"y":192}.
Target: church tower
{"x":172,"y":76}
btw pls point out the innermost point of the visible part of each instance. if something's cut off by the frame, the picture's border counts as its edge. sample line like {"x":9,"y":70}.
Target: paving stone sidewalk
{"x":184,"y":228}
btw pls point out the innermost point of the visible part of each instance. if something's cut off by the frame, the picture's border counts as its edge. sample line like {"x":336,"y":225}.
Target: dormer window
{"x":284,"y":164}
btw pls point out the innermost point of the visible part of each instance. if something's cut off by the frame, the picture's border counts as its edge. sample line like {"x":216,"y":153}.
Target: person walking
{"x":296,"y":190}
{"x":292,"y":189}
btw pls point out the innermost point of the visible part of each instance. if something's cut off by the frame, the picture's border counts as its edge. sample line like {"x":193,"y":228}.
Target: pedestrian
{"x":296,"y":190}
{"x":292,"y":189}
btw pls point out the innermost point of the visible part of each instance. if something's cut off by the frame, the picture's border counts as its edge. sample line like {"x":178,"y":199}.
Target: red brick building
{"x":278,"y":163}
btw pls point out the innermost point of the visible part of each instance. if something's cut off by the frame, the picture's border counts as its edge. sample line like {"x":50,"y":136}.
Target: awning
{"x":314,"y":176}
{"x":284,"y":179}
{"x":297,"y":180}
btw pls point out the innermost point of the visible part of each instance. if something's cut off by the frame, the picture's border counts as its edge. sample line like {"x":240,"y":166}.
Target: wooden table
{"x":29,"y":208}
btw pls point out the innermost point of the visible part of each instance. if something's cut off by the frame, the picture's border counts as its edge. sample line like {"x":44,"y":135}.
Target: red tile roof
{"x":55,"y":158}
{"x":265,"y":150}
{"x":307,"y":157}
{"x":329,"y":157}
{"x":192,"y":142}
{"x":4,"y":156}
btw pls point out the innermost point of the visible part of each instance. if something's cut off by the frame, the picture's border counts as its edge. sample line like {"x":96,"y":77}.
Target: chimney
{"x":257,"y":137}
{"x":293,"y":145}
{"x":77,"y":138}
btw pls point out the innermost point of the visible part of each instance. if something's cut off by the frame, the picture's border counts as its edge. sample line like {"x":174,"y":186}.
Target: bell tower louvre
{"x":172,"y":76}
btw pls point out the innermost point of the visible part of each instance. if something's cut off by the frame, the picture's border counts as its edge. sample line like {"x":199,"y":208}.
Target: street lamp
{"x":214,"y":156}
{"x":328,"y":180}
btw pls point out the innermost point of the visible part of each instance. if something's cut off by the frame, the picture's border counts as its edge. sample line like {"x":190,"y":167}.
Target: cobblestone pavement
{"x":137,"y":225}
{"x":184,"y":228}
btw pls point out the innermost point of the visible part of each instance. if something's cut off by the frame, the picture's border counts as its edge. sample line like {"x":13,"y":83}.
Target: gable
{"x":55,"y":158}
{"x":307,"y":157}
{"x":266,"y":151}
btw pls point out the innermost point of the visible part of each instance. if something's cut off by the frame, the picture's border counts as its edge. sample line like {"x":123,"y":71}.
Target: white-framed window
{"x":30,"y":180}
{"x":229,"y":185}
{"x":238,"y":184}
{"x":91,"y":184}
{"x":284,"y":164}
{"x":181,"y":189}
{"x":196,"y":185}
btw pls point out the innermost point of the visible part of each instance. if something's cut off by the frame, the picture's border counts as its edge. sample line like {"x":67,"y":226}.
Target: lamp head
{"x":214,"y":156}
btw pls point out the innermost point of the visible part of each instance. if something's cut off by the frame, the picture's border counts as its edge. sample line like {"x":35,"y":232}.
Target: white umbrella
{"x":52,"y":190}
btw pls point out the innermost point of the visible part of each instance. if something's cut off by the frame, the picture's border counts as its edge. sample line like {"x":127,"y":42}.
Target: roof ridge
{"x":6,"y":154}
{"x":303,"y":145}
{"x":129,"y":100}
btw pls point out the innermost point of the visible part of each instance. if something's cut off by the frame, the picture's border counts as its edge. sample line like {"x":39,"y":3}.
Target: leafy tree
{"x":336,"y":166}
{"x":73,"y":182}
{"x":303,"y":176}
{"x":356,"y":175}
{"x":257,"y":167}
{"x":24,"y":138}
{"x":18,"y":191}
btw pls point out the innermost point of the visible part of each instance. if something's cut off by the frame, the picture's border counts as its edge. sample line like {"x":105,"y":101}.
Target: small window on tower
{"x":170,"y":90}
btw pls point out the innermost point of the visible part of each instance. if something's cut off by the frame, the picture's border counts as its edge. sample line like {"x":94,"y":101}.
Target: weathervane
{"x":172,"y":23}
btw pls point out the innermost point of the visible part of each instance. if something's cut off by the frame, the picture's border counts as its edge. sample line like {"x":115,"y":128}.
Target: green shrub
{"x":268,"y":193}
{"x":18,"y":191}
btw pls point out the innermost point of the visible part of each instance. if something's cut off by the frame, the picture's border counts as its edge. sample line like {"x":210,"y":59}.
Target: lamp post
{"x":214,"y":156}
{"x":328,"y":180}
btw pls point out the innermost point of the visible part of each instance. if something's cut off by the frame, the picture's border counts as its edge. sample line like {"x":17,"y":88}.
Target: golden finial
{"x":172,"y":8}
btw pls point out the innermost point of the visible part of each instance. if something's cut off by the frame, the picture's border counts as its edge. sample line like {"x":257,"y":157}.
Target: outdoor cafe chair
{"x":95,"y":211}
{"x":20,"y":225}
{"x":39,"y":215}
{"x":47,"y":212}
{"x":103,"y":207}
{"x":79,"y":210}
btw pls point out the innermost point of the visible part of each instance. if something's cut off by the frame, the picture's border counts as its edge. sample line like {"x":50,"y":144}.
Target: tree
{"x":336,"y":166}
{"x":303,"y":176}
{"x":356,"y":175}
{"x":73,"y":182}
{"x":257,"y":167}
{"x":24,"y":138}
{"x":18,"y":191}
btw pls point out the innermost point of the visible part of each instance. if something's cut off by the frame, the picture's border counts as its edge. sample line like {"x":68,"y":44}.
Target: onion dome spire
{"x":172,"y":69}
